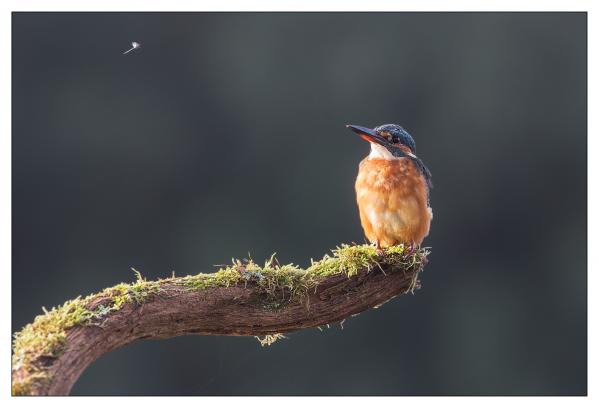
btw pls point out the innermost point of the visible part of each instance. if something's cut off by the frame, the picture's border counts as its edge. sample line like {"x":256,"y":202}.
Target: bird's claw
{"x":411,"y":248}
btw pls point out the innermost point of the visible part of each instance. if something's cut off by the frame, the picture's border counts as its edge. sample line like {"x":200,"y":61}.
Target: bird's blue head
{"x":393,"y":137}
{"x":395,"y":134}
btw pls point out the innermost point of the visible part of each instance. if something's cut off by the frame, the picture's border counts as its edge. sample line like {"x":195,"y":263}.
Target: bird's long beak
{"x":368,"y":134}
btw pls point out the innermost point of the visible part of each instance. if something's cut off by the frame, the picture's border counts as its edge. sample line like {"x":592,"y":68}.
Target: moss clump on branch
{"x":38,"y":343}
{"x":281,"y":283}
{"x":269,"y":339}
{"x":45,"y":338}
{"x":123,"y":293}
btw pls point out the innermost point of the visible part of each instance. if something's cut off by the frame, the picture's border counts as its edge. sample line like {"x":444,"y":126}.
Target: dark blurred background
{"x":225,"y":134}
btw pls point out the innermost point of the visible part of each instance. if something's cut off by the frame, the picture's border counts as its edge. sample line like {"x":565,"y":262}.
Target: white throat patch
{"x":379,"y":152}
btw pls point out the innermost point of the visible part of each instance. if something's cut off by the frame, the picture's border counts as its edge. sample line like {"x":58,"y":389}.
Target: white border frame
{"x":305,"y":5}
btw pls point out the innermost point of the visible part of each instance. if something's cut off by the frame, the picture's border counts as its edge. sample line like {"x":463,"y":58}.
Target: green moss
{"x":123,"y":293}
{"x":224,"y":277}
{"x":279,"y":284}
{"x":44,"y":339}
{"x":269,"y":339}
{"x":27,"y":384}
{"x":45,"y":336}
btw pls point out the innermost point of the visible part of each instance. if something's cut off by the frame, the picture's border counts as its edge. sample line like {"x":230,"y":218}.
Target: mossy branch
{"x":243,"y":299}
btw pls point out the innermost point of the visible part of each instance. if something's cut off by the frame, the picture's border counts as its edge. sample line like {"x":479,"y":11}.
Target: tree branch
{"x":240,"y":300}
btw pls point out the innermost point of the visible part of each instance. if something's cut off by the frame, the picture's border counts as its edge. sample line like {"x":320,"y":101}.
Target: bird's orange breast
{"x":392,"y":198}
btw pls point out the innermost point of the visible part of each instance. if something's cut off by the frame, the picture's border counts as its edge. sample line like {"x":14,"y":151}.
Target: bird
{"x":392,"y":188}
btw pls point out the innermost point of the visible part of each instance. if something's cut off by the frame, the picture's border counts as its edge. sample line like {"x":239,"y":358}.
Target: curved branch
{"x":250,"y":306}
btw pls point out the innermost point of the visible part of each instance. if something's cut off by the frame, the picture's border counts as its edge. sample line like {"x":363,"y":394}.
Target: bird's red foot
{"x":411,"y":248}
{"x":379,"y":251}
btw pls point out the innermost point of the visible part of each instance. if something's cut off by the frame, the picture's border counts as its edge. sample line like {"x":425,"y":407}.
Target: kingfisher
{"x":392,"y":188}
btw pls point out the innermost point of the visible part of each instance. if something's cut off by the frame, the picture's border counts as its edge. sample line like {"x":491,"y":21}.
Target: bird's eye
{"x":387,"y":135}
{"x":390,"y":137}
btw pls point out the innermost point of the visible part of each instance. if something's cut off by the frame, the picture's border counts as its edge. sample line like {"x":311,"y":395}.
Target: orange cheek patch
{"x":405,"y":149}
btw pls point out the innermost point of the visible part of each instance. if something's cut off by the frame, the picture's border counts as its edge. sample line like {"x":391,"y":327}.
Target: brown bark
{"x":231,"y":311}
